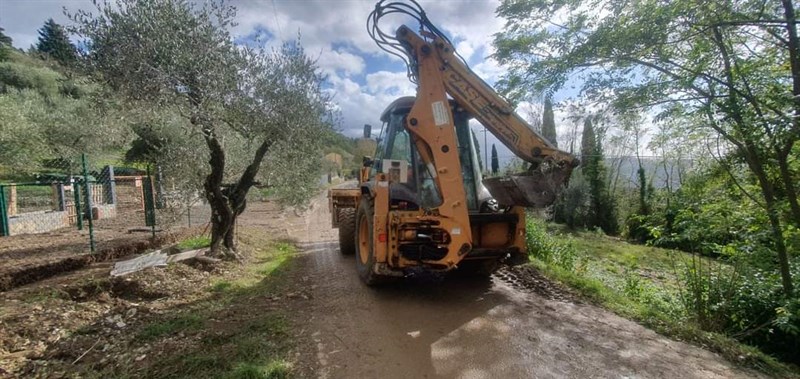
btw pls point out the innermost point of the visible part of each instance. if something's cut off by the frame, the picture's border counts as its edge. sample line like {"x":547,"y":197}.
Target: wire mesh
{"x":64,"y":211}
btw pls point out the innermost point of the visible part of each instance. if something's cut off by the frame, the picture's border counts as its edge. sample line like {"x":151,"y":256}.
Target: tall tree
{"x":495,"y":160}
{"x":4,"y":39}
{"x":602,"y":210}
{"x":5,"y":45}
{"x":549,"y":122}
{"x":246,"y":105}
{"x":53,"y":42}
{"x":477,"y":150}
{"x":737,"y":63}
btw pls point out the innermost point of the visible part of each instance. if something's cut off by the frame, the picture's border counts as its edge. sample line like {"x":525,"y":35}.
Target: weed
{"x":273,"y":370}
{"x":197,"y":242}
{"x":684,"y":299}
{"x":191,"y":321}
{"x":221,"y":286}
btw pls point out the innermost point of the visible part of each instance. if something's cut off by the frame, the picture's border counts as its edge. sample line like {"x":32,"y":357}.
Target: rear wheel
{"x":483,"y":268}
{"x":365,"y":251}
{"x":347,"y":230}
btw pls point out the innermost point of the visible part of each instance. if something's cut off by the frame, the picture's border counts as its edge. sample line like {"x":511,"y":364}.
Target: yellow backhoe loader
{"x":421,"y":202}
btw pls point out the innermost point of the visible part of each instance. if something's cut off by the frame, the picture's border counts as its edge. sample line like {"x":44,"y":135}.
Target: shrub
{"x":559,"y":252}
{"x":40,"y":79}
{"x":744,"y":302}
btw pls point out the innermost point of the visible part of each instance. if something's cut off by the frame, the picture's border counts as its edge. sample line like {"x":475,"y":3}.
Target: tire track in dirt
{"x":514,"y":325}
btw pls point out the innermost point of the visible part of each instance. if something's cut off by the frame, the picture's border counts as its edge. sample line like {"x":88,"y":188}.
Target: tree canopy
{"x":731,"y":67}
{"x":54,"y":43}
{"x":245,"y":105}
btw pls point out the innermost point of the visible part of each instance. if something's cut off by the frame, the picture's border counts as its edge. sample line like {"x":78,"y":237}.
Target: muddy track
{"x":516,"y":324}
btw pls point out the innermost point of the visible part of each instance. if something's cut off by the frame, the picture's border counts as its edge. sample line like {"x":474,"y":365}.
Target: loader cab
{"x":412,"y":183}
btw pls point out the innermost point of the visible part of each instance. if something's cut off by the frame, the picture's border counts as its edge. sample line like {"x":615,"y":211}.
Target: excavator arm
{"x":435,"y":66}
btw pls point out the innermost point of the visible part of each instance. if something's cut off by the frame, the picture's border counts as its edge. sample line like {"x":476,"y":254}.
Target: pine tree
{"x":4,"y":39}
{"x":549,"y":122}
{"x":495,"y":160}
{"x":53,"y":41}
{"x":5,"y":45}
{"x":602,"y":210}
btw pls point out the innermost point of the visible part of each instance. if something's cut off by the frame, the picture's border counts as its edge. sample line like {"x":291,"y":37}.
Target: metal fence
{"x":76,"y":204}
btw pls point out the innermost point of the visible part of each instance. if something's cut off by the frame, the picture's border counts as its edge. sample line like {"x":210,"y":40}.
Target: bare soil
{"x":82,"y":322}
{"x":515,"y":324}
{"x":27,"y":258}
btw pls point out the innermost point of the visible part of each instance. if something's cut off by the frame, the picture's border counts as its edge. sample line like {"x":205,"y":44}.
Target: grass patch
{"x":273,"y":370}
{"x":636,"y":282}
{"x":197,"y":242}
{"x":236,"y":333}
{"x":191,"y":321}
{"x":267,"y":262}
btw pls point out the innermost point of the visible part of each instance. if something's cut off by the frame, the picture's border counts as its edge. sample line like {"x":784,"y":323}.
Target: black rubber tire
{"x":347,"y":231}
{"x":366,"y":270}
{"x":477,"y":268}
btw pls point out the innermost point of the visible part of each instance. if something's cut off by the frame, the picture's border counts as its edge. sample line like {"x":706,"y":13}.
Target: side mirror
{"x":367,"y":161}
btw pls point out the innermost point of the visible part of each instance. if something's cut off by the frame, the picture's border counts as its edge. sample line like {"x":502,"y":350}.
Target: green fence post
{"x":76,"y":192}
{"x":87,"y":190}
{"x":149,"y":203}
{"x":3,"y":214}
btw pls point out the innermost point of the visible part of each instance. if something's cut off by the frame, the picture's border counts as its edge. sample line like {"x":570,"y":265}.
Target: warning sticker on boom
{"x":440,"y":116}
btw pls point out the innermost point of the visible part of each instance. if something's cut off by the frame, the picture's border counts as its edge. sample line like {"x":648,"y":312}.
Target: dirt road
{"x":459,"y":328}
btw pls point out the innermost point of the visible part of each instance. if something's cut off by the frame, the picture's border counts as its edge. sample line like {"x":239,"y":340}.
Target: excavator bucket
{"x":533,"y":189}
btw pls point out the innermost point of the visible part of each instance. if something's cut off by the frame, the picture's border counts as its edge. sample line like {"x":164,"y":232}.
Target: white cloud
{"x":390,"y":83}
{"x":331,"y":61}
{"x":333,"y":31}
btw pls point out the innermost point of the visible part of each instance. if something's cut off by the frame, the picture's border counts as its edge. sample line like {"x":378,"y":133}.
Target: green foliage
{"x":722,"y":67}
{"x":544,"y":247}
{"x":712,"y":304}
{"x":710,"y":216}
{"x":4,"y":39}
{"x":5,"y":45}
{"x":20,"y":76}
{"x":45,"y":116}
{"x":54,"y":43}
{"x":549,"y":122}
{"x":190,"y":321}
{"x":259,"y":113}
{"x":274,"y":370}
{"x":744,"y":302}
{"x":196,"y":242}
{"x":602,"y":210}
{"x":572,"y":206}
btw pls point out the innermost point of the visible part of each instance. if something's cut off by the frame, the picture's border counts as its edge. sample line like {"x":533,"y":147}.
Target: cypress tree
{"x":495,"y":160}
{"x":549,"y":122}
{"x":602,"y":210}
{"x":477,"y":150}
{"x":53,"y":42}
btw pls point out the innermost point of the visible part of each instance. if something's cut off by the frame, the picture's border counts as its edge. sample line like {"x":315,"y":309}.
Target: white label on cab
{"x":440,"y":116}
{"x":455,"y":231}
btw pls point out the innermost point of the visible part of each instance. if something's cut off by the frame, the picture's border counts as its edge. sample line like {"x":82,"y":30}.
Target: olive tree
{"x":244,"y":106}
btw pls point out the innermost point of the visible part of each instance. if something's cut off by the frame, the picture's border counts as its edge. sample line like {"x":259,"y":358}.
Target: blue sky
{"x":363,"y":78}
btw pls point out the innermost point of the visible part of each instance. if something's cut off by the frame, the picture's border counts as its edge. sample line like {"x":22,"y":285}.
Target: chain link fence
{"x":91,"y":210}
